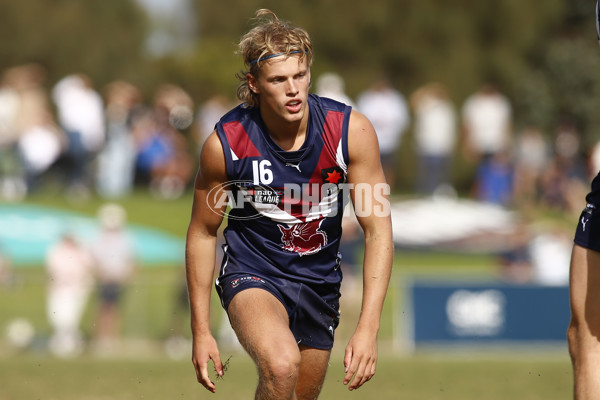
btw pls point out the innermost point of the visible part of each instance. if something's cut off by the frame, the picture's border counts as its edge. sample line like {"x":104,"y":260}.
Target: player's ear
{"x":252,"y":83}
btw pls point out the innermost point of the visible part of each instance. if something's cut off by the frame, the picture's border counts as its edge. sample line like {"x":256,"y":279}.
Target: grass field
{"x":427,"y":377}
{"x":141,"y":369}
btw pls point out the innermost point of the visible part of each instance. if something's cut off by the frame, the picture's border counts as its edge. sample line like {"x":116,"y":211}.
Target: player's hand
{"x":360,"y":359}
{"x":205,"y":349}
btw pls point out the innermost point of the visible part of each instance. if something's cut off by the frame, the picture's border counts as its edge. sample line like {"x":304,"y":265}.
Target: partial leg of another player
{"x":584,"y":329}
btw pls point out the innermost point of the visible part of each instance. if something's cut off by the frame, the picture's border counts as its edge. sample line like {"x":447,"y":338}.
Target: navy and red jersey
{"x":286,"y":207}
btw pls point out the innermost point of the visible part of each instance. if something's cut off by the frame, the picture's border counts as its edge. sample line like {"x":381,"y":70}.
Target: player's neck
{"x":289,"y":135}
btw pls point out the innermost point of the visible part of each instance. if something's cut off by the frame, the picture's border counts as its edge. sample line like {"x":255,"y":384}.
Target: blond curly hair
{"x":272,"y":37}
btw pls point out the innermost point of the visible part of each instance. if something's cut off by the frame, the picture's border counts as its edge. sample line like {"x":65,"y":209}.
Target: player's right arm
{"x":200,"y":255}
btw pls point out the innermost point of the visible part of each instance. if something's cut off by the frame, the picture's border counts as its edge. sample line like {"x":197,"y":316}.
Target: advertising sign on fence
{"x":446,"y":313}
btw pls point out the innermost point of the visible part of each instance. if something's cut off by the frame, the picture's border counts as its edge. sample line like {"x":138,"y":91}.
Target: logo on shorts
{"x":246,"y":279}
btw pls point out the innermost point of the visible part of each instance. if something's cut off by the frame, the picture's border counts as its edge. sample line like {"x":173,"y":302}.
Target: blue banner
{"x":476,"y":313}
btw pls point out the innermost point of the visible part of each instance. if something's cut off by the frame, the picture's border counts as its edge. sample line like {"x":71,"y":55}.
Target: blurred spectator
{"x":6,"y":271}
{"x":387,"y":110}
{"x":531,"y":158}
{"x":208,"y":115}
{"x":176,"y":344}
{"x":487,"y":123}
{"x":12,"y":185}
{"x":564,"y":182}
{"x":435,"y":136}
{"x":332,"y":85}
{"x":550,"y":257}
{"x":115,"y":264}
{"x":163,"y":160}
{"x":116,"y":161}
{"x":494,"y":180}
{"x":81,"y":115}
{"x":40,"y":140}
{"x":537,"y":255}
{"x":70,"y":279}
{"x":515,"y":260}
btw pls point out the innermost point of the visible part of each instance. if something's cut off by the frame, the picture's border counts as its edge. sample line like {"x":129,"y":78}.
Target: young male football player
{"x":288,"y":160}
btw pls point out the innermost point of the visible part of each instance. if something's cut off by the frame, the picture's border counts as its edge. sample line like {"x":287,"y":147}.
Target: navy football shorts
{"x":588,"y":227}
{"x":313,"y":316}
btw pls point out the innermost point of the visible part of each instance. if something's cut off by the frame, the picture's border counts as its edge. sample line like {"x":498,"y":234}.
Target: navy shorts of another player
{"x":588,"y":228}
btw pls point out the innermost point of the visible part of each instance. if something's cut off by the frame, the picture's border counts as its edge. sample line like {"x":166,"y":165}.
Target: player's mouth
{"x":293,"y":106}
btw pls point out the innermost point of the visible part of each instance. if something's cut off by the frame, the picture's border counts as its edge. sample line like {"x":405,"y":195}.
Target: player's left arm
{"x":369,"y":193}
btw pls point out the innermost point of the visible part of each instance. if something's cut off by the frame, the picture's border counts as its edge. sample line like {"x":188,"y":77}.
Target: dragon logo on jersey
{"x":303,"y":239}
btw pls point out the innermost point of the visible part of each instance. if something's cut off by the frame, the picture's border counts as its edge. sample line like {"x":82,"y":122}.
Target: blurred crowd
{"x":515,"y":167}
{"x":111,"y":140}
{"x":108,"y":141}
{"x":90,"y":141}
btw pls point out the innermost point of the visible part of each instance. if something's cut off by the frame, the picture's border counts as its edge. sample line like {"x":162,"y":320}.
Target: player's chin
{"x":294,"y":116}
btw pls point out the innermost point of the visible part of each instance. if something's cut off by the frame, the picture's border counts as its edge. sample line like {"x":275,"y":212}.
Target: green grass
{"x":414,"y":378}
{"x":142,"y":370}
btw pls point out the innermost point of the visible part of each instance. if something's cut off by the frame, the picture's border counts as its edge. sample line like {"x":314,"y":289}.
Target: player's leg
{"x":584,"y":329}
{"x":261,"y":324}
{"x":313,"y":367}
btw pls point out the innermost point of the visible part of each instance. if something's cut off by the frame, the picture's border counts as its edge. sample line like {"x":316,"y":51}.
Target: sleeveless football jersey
{"x":286,"y":207}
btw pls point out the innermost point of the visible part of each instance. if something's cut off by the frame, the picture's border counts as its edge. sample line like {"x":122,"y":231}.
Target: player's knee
{"x":572,"y":339}
{"x":282,"y":367}
{"x":582,"y":341}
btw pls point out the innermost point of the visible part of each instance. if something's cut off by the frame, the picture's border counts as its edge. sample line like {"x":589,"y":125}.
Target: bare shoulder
{"x":362,"y":138}
{"x":359,"y":121}
{"x":212,"y":160}
{"x":211,"y":175}
{"x":211,"y":145}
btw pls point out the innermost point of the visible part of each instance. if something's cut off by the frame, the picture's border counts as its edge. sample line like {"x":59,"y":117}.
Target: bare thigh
{"x":262,"y":325}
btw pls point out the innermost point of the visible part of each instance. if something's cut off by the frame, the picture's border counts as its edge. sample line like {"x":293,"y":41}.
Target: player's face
{"x":282,"y":86}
